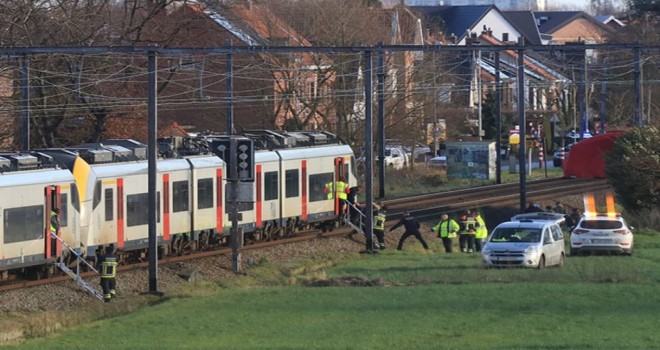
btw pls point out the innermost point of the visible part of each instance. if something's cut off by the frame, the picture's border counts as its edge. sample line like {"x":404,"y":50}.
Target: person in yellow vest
{"x":446,"y":229}
{"x":54,"y":230}
{"x":468,"y":230}
{"x":339,"y":189}
{"x":380,"y":216}
{"x":108,"y":269}
{"x":481,"y":231}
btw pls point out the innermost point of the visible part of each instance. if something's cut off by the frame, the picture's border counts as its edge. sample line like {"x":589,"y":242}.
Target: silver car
{"x":525,"y":243}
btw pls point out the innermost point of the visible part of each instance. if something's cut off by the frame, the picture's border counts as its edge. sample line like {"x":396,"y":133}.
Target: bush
{"x":633,"y":168}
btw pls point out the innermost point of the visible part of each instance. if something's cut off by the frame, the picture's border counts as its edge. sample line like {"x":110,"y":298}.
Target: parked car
{"x":560,"y":155}
{"x":602,"y":232}
{"x":420,"y":154}
{"x":525,"y":243}
{"x":439,"y":162}
{"x":557,"y":218}
{"x":395,"y":157}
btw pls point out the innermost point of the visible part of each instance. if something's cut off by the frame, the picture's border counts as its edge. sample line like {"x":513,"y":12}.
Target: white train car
{"x":291,"y":172}
{"x":114,"y":198}
{"x":31,"y":185}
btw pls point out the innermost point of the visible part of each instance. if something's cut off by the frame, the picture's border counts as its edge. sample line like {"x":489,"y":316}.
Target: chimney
{"x":505,"y":37}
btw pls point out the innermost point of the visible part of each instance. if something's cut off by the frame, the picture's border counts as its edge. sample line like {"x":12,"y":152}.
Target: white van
{"x":525,"y":243}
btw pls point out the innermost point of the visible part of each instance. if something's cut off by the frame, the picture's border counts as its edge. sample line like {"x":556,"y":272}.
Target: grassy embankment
{"x":419,"y":300}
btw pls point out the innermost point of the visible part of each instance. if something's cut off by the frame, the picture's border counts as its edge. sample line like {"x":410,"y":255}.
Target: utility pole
{"x":637,"y":72}
{"x":498,"y":116}
{"x":522,"y":122}
{"x":230,"y":89}
{"x":25,"y":100}
{"x":381,"y":122}
{"x":368,"y":139}
{"x":152,"y":170}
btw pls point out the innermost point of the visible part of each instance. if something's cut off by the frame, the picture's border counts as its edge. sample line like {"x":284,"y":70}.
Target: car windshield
{"x":601,"y":224}
{"x":515,"y":234}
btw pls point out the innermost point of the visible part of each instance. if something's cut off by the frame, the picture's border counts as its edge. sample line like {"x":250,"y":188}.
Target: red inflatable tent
{"x":586,"y":158}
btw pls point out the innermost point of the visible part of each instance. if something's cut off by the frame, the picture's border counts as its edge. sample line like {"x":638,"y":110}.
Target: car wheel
{"x":541,"y":262}
{"x":562,"y":260}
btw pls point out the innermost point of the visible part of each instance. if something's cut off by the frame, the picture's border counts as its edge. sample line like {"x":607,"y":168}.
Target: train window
{"x":204,"y":193}
{"x":63,"y":207}
{"x":97,"y":194}
{"x":317,"y":184}
{"x":180,"y":196}
{"x":74,"y":197}
{"x":137,"y":209}
{"x":109,"y":204}
{"x":271,"y":183}
{"x":23,"y":224}
{"x":292,"y":183}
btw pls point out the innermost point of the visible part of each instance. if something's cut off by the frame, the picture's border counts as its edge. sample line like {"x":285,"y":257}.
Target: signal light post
{"x":238,"y":154}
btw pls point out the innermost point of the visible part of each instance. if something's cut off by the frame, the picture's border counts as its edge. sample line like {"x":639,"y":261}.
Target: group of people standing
{"x":470,"y":228}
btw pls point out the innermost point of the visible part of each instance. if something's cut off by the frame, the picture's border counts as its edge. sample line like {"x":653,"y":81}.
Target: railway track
{"x":424,"y":207}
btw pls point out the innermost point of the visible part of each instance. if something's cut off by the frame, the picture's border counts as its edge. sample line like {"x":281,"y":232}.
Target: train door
{"x":53,"y":247}
{"x":341,"y":171}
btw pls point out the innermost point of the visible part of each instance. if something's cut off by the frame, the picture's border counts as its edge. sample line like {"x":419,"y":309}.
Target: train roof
{"x":25,"y":161}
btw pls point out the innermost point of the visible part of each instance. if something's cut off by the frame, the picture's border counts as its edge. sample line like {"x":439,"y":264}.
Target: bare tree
{"x":72,"y":97}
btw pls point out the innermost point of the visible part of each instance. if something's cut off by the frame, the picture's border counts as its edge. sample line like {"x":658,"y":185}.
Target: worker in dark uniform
{"x":54,"y":230}
{"x":107,"y":264}
{"x":354,"y":205}
{"x":380,"y":216}
{"x":467,"y":233}
{"x":412,"y":229}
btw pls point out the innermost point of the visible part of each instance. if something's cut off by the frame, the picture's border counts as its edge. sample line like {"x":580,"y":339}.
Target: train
{"x":101,"y":190}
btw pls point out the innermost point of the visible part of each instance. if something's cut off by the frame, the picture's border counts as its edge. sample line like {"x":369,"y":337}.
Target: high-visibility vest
{"x":109,"y":266}
{"x":379,"y":221}
{"x":341,"y":190}
{"x":447,"y":228}
{"x":482,"y":231}
{"x":469,"y":223}
{"x":54,"y":223}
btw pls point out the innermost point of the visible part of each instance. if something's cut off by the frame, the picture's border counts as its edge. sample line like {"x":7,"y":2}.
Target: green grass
{"x":422,"y":301}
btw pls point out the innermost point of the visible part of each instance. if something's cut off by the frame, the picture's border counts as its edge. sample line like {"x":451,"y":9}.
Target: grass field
{"x":418,"y":300}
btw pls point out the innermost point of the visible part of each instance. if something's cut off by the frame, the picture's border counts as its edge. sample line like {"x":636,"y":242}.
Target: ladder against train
{"x":76,"y":277}
{"x":358,"y":227}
